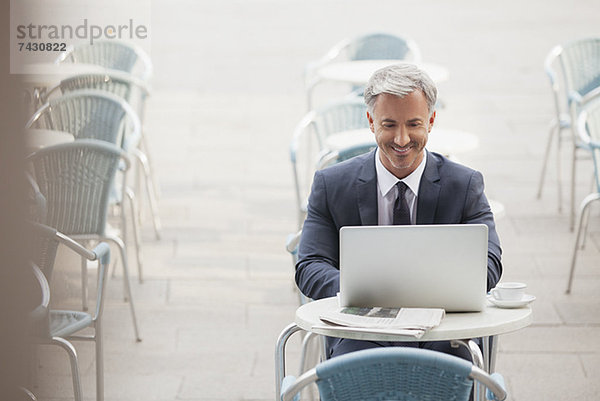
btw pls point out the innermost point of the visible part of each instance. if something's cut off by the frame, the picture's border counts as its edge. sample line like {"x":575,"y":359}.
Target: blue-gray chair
{"x":370,"y":46}
{"x":134,"y":91}
{"x":76,"y":180}
{"x":98,"y":115}
{"x":588,"y":126}
{"x":574,"y":73}
{"x":111,"y":54}
{"x":313,"y":138}
{"x":395,"y":373}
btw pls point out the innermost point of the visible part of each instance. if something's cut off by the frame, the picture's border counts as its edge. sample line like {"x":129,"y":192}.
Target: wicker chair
{"x":98,"y":115}
{"x":110,"y":54}
{"x":574,"y":73}
{"x":135,"y":92}
{"x":371,"y":46}
{"x":321,"y":132}
{"x":76,"y":179}
{"x":60,"y":327}
{"x":395,"y":373}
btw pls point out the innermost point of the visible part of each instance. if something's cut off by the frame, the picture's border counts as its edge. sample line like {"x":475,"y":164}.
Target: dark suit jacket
{"x":346,"y":195}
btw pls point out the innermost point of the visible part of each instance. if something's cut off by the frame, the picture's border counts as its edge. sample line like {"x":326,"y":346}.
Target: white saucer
{"x":527,"y":299}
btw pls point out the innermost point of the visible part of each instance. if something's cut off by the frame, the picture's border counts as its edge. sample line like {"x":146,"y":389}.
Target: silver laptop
{"x":418,"y":266}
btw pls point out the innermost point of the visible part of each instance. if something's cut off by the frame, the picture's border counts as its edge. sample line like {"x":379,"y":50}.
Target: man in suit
{"x":400,"y":182}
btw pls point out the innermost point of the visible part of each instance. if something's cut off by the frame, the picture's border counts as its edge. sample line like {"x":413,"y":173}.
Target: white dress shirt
{"x":388,"y":192}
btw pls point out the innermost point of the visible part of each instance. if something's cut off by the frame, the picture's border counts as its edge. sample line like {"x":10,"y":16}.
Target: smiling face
{"x":401,"y":126}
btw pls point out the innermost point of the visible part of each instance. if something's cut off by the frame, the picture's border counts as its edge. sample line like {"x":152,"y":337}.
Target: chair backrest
{"x":133,"y":90}
{"x":340,"y":116}
{"x":306,"y":153}
{"x":110,"y":54}
{"x":44,"y":246}
{"x":381,"y":46}
{"x":396,"y":373}
{"x":580,"y":61}
{"x":76,"y":179}
{"x":589,"y":132}
{"x":90,"y":114}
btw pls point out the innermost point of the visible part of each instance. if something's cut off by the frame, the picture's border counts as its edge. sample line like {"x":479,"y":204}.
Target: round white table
{"x":49,"y":74}
{"x":444,"y":141}
{"x":456,"y":327}
{"x":489,"y":322}
{"x":358,"y":72}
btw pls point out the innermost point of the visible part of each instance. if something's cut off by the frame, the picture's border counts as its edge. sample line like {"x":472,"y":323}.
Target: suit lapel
{"x":429,"y":191}
{"x":366,"y":187}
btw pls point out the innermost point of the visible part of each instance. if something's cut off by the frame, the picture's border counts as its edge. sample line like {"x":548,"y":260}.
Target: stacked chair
{"x":134,"y":91}
{"x":129,"y":70}
{"x":79,"y":185}
{"x":98,"y":115}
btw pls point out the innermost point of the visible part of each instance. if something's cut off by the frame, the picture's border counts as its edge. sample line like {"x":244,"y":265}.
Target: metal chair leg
{"x":136,"y":233}
{"x":143,"y":162}
{"x":84,"y":284}
{"x":117,"y":241}
{"x":146,"y":151}
{"x":68,"y":347}
{"x":99,"y":362}
{"x":572,"y":205}
{"x":553,"y":128}
{"x":582,"y":215}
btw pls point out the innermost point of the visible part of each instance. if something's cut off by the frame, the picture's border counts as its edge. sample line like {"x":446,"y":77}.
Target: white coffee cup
{"x":510,"y":291}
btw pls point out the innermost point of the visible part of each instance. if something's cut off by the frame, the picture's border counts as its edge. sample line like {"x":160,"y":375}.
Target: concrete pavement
{"x":227,"y":94}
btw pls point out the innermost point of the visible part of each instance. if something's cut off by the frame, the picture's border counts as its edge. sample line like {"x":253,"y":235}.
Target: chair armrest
{"x":75,"y":246}
{"x":291,"y":244}
{"x":102,"y":251}
{"x":291,"y":387}
{"x":102,"y":254}
{"x":287,"y":383}
{"x":499,"y":379}
{"x":39,"y":318}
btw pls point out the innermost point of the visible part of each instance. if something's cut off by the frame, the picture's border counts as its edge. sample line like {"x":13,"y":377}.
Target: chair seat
{"x":65,"y":323}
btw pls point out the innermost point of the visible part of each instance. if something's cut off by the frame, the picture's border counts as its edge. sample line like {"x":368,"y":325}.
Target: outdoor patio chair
{"x":135,"y":92}
{"x":588,"y":126}
{"x":111,"y":54}
{"x":76,"y":179}
{"x":60,"y":327}
{"x":575,"y":83}
{"x":96,"y":114}
{"x":314,"y":137}
{"x":395,"y":373}
{"x":370,"y":46}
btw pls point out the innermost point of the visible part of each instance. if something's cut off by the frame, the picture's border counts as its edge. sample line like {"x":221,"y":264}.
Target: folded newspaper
{"x":403,"y":321}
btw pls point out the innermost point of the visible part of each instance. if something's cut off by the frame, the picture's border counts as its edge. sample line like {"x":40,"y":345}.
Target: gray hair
{"x":400,"y":80}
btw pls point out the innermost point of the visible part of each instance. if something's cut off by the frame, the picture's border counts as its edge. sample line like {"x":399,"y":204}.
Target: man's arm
{"x":477,"y":211}
{"x":317,"y":270}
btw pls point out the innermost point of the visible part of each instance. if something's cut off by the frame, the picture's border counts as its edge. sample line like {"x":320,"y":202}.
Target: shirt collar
{"x":387,"y":180}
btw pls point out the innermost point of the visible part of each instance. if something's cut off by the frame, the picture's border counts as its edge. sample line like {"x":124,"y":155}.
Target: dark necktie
{"x":401,"y":210}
